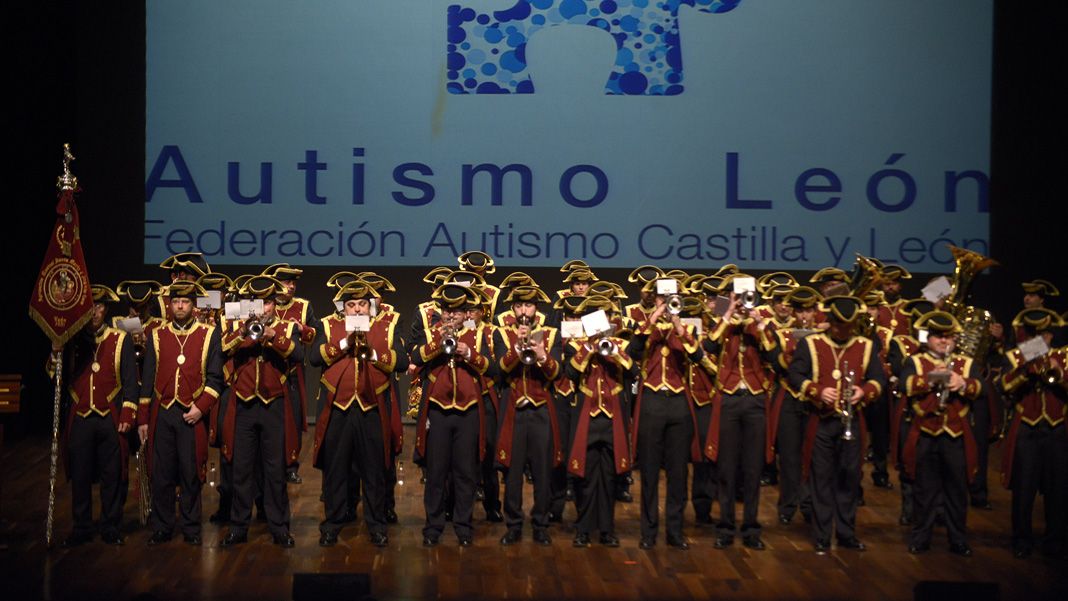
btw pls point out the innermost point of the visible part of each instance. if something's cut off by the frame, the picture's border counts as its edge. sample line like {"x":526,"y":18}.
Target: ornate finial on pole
{"x":67,"y":181}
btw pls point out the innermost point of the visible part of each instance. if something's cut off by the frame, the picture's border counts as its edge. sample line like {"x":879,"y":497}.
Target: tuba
{"x":974,"y":339}
{"x":867,"y":275}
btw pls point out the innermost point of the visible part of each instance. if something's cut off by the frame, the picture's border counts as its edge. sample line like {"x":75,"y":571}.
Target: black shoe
{"x":851,"y":543}
{"x":1021,"y":552}
{"x":494,"y":515}
{"x":961,"y":549}
{"x":984,"y":505}
{"x":328,"y":539}
{"x":158,"y":538}
{"x":609,"y":540}
{"x":379,"y":539}
{"x":391,"y":516}
{"x":430,"y":541}
{"x":511,"y":537}
{"x":284,"y":540}
{"x":904,"y":520}
{"x":822,"y":546}
{"x":754,"y":543}
{"x":233,"y":538}
{"x":678,"y":542}
{"x":112,"y":538}
{"x":784,"y":519}
{"x":624,"y":496}
{"x":918,"y":549}
{"x":465,"y":541}
{"x":541,"y":536}
{"x":293,"y":478}
{"x":555,"y":518}
{"x":193,"y":540}
{"x":647,"y":543}
{"x":76,"y":540}
{"x":581,"y":540}
{"x":723,"y":541}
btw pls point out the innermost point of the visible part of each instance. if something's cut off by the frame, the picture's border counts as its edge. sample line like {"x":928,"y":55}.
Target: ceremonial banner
{"x":61,"y":303}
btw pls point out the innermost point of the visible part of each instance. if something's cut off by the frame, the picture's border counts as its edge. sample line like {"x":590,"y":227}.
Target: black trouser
{"x":595,"y":494}
{"x":981,"y":426}
{"x":877,"y":417}
{"x":490,"y":478}
{"x":298,"y":418}
{"x":941,"y":487}
{"x":742,"y":429}
{"x":1040,"y":462}
{"x":93,"y":448}
{"x":451,"y":452}
{"x":354,"y":434}
{"x":835,"y":480}
{"x":532,"y":442}
{"x":559,"y":473}
{"x":793,"y":493}
{"x":703,"y":491}
{"x":907,"y":506}
{"x":665,"y":432}
{"x":259,"y":437}
{"x":174,"y":463}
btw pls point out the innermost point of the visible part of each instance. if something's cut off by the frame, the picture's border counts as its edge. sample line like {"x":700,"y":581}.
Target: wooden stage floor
{"x":788,"y":569}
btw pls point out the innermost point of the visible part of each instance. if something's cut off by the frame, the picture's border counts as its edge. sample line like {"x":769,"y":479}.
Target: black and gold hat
{"x":464,"y":278}
{"x":184,"y":289}
{"x":527,"y":294}
{"x":570,"y":304}
{"x":436,"y":276}
{"x":103,"y":294}
{"x":726,"y":270}
{"x":340,"y":279}
{"x":1037,"y":320}
{"x":680,"y":275}
{"x":938,"y":322}
{"x":692,"y":306}
{"x":775,"y":278}
{"x":777,"y":292}
{"x":916,"y":307}
{"x":580,"y":275}
{"x":457,"y":297}
{"x":829,"y":274}
{"x":645,"y":274}
{"x":356,"y":290}
{"x":241,"y":280}
{"x":517,"y":278}
{"x":138,"y":291}
{"x":378,"y":282}
{"x":216,"y":281}
{"x":263,"y":287}
{"x":875,"y":298}
{"x":476,"y":261}
{"x":843,"y":308}
{"x":1042,"y":288}
{"x":283,"y":272}
{"x":574,"y":264}
{"x":803,"y":297}
{"x":192,"y":263}
{"x":711,"y":286}
{"x":692,"y":284}
{"x":895,"y":272}
{"x":597,"y":303}
{"x":606,"y":289}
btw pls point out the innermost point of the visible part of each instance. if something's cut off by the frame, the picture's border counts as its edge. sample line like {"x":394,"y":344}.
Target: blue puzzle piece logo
{"x":487,"y":51}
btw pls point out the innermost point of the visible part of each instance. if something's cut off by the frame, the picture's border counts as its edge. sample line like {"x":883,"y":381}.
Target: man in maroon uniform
{"x":354,"y":425}
{"x":832,"y":371}
{"x":449,"y":434}
{"x":180,"y":383}
{"x":259,"y":425}
{"x":102,"y":384}
{"x":939,"y":451}
{"x":528,"y":361}
{"x":1036,"y":451}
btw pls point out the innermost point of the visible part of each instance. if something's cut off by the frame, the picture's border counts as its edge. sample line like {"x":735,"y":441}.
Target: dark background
{"x":79,"y":76}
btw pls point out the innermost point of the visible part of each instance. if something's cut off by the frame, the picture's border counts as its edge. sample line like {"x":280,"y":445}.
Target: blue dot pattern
{"x":487,"y":52}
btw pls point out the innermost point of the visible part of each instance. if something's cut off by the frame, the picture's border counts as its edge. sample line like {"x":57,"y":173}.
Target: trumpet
{"x":749,"y":299}
{"x":942,"y":390}
{"x":449,"y":342}
{"x":527,"y":355}
{"x":362,"y":350}
{"x":144,"y":489}
{"x":606,"y":347}
{"x":674,"y":304}
{"x":845,"y":404}
{"x":255,"y":328}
